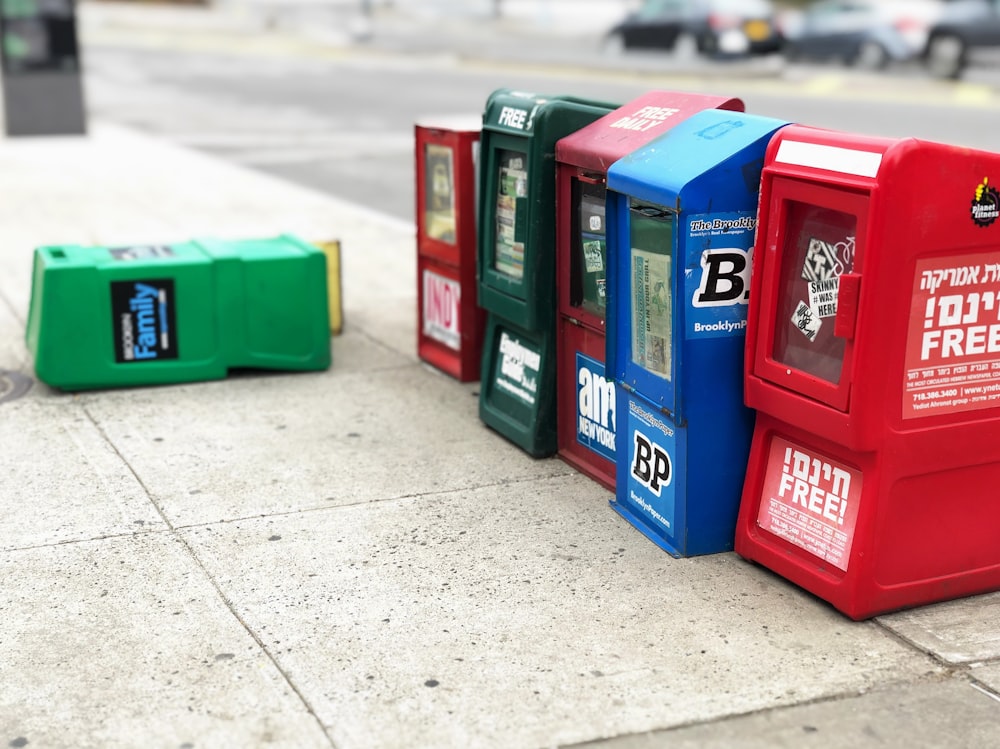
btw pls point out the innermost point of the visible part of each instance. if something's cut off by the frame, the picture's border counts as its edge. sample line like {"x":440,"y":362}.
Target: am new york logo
{"x":595,"y":400}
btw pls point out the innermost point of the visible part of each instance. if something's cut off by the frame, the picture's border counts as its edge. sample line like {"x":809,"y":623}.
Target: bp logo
{"x":986,"y":204}
{"x":725,"y":278}
{"x":651,"y":464}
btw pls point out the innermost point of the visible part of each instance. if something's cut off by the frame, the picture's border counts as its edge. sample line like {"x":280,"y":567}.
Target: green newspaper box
{"x":517,"y":260}
{"x":154,"y":314}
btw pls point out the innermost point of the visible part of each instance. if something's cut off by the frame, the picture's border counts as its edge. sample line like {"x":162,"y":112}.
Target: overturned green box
{"x":155,"y":314}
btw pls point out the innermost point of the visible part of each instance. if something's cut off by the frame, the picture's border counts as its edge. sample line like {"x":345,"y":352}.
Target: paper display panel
{"x":651,"y":294}
{"x":512,"y":190}
{"x":439,"y":191}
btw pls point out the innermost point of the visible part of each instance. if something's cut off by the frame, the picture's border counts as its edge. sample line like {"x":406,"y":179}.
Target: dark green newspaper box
{"x":517,"y":258}
{"x":155,"y":314}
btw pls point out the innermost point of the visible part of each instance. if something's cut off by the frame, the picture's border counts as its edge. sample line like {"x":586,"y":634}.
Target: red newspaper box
{"x":450,"y":325}
{"x":873,"y":359}
{"x":585,"y":396}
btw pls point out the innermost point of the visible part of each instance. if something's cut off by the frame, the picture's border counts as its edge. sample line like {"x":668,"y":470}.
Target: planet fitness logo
{"x":986,"y":204}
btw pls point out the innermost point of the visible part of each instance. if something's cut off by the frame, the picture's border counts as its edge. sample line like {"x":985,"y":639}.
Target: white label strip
{"x":831,"y":158}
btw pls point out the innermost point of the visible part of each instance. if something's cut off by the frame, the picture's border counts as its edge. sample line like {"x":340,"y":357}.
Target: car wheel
{"x":613,"y":44}
{"x":685,"y":46}
{"x":946,"y":56}
{"x":870,"y":56}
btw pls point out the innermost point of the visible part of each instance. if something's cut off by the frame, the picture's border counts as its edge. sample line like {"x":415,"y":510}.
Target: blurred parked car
{"x":967,"y":33}
{"x":868,"y":34}
{"x":690,"y":27}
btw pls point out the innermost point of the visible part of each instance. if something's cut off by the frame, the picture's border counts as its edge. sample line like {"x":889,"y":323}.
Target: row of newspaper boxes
{"x":829,"y":415}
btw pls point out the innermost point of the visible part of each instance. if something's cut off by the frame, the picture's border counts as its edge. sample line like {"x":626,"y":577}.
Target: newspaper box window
{"x":873,"y":360}
{"x":511,"y":213}
{"x":821,"y":244}
{"x":650,"y":291}
{"x":588,"y":258}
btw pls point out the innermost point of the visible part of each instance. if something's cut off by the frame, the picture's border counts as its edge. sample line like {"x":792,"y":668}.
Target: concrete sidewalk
{"x":350,"y":559}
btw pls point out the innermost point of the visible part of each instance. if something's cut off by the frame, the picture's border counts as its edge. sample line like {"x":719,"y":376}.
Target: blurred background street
{"x":325,"y":92}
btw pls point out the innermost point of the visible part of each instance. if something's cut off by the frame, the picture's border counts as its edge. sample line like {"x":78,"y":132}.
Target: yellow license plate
{"x":757,"y":30}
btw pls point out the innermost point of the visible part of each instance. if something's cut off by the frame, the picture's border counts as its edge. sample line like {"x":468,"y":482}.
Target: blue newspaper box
{"x":682,"y":214}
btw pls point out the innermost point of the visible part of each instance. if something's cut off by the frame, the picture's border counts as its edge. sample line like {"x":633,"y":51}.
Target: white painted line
{"x":987,"y":692}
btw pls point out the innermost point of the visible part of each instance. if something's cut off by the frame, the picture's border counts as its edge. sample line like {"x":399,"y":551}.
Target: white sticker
{"x":823,"y":297}
{"x":824,"y":260}
{"x":806,"y":320}
{"x":595,"y":223}
{"x":820,"y":260}
{"x":593,"y":258}
{"x":441,"y":313}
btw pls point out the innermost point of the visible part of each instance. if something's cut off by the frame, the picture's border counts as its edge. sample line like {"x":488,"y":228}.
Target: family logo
{"x":145,"y":320}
